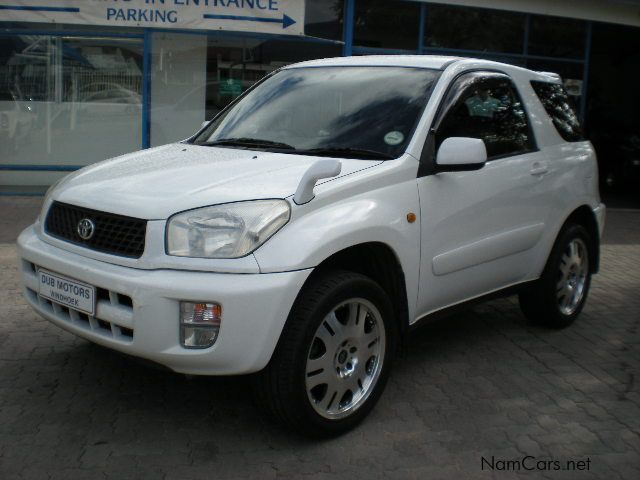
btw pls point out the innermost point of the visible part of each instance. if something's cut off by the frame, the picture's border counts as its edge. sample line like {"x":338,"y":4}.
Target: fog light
{"x":199,"y":324}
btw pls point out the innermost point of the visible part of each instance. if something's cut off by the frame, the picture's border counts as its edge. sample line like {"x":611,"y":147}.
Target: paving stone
{"x":479,"y":384}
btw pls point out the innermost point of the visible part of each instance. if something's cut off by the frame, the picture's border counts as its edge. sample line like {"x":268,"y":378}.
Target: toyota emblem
{"x":86,"y":229}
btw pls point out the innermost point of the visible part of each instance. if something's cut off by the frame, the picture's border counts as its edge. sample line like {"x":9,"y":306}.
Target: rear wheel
{"x":333,"y":358}
{"x":557,"y":298}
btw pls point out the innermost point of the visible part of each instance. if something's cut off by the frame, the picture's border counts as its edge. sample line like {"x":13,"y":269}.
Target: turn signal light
{"x":199,"y":324}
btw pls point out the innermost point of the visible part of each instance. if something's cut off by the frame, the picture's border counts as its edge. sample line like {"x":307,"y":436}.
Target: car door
{"x":479,"y":228}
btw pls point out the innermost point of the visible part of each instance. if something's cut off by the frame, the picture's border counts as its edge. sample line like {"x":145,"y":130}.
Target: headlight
{"x":231,"y":230}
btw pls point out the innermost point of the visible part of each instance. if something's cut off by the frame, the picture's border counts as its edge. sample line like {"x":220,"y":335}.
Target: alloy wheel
{"x":572,"y":276}
{"x":345,"y":358}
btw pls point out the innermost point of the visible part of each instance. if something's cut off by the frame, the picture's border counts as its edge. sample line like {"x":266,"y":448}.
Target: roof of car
{"x":423,"y":61}
{"x":438,"y":62}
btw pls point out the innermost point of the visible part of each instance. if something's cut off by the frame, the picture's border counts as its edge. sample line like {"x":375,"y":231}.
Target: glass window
{"x":196,"y":76}
{"x":68,"y":101}
{"x":486,"y":106}
{"x":570,"y":72}
{"x":559,"y":107}
{"x":474,"y":29}
{"x":359,"y":112}
{"x":613,"y":101}
{"x":386,"y":24}
{"x":557,"y":37}
{"x":178,"y":83}
{"x":323,"y":19}
{"x":235,"y":63}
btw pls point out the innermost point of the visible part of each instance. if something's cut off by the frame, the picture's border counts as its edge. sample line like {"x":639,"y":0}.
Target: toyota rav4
{"x":309,"y":226}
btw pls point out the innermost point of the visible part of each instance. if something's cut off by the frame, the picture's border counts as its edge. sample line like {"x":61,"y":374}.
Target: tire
{"x":328,"y":370}
{"x":557,"y":298}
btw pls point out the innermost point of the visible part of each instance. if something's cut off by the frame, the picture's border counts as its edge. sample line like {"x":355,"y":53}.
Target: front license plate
{"x":63,"y":290}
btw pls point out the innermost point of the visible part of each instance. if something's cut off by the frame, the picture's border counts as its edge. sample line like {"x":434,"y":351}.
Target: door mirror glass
{"x":460,"y":154}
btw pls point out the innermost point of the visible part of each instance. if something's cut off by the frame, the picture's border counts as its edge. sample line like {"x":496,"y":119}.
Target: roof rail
{"x":553,"y":75}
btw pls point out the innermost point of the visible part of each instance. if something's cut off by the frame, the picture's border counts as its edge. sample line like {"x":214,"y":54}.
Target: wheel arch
{"x":584,"y":216}
{"x":377,"y":261}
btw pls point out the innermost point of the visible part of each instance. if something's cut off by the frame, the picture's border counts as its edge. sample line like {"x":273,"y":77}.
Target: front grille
{"x":115,"y":234}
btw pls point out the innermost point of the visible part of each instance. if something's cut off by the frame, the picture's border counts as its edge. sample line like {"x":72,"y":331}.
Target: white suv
{"x":304,"y":231}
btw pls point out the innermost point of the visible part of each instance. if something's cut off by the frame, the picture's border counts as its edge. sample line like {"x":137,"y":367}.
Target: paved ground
{"x":480,"y":384}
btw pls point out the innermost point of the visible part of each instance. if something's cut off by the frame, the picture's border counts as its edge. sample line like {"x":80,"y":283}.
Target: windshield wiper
{"x":324,"y":151}
{"x":249,"y":142}
{"x":346,"y":152}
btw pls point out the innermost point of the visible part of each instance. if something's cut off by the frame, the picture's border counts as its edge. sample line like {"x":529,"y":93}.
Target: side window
{"x":560,"y":108}
{"x":486,"y":106}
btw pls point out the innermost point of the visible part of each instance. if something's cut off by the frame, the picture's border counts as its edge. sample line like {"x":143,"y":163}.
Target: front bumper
{"x":254,"y":308}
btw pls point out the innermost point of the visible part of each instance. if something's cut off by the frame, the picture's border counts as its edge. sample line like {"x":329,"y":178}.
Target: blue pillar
{"x":525,"y":39}
{"x":421,"y":27}
{"x":146,"y":90}
{"x":347,"y":34}
{"x":585,"y":73}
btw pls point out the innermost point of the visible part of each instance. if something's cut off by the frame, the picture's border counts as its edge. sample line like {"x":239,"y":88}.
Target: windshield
{"x":347,"y":111}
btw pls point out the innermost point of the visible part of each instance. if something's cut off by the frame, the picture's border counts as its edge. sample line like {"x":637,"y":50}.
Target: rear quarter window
{"x":560,"y":108}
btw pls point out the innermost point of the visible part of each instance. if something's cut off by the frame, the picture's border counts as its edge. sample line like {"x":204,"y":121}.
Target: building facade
{"x":79,"y":84}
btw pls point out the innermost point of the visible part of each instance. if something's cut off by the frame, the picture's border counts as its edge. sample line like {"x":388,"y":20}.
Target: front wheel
{"x":333,"y":358}
{"x":557,"y":298}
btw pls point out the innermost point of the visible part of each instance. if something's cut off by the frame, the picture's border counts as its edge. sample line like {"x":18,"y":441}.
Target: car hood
{"x":156,"y":183}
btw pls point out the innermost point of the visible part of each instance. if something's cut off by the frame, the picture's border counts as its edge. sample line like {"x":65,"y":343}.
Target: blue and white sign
{"x":283,"y":17}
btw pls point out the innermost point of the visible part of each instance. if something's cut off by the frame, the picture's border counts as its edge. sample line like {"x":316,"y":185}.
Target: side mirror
{"x":460,"y":154}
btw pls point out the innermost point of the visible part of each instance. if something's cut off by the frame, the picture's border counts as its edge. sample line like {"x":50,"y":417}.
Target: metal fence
{"x":42,"y":83}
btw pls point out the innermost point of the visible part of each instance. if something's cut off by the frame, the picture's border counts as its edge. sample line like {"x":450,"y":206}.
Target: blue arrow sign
{"x":286,"y":20}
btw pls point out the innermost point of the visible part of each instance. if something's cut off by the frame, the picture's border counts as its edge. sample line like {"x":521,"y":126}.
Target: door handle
{"x":539,"y":169}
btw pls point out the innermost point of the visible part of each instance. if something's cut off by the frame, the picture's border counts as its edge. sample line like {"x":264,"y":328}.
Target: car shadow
{"x":145,"y":403}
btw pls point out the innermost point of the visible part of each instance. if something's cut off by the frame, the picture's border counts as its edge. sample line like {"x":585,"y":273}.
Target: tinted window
{"x":474,"y":29}
{"x":323,"y":19}
{"x":385,"y":24}
{"x":557,"y":37}
{"x":366,"y":108}
{"x":559,"y":107}
{"x":486,"y":106}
